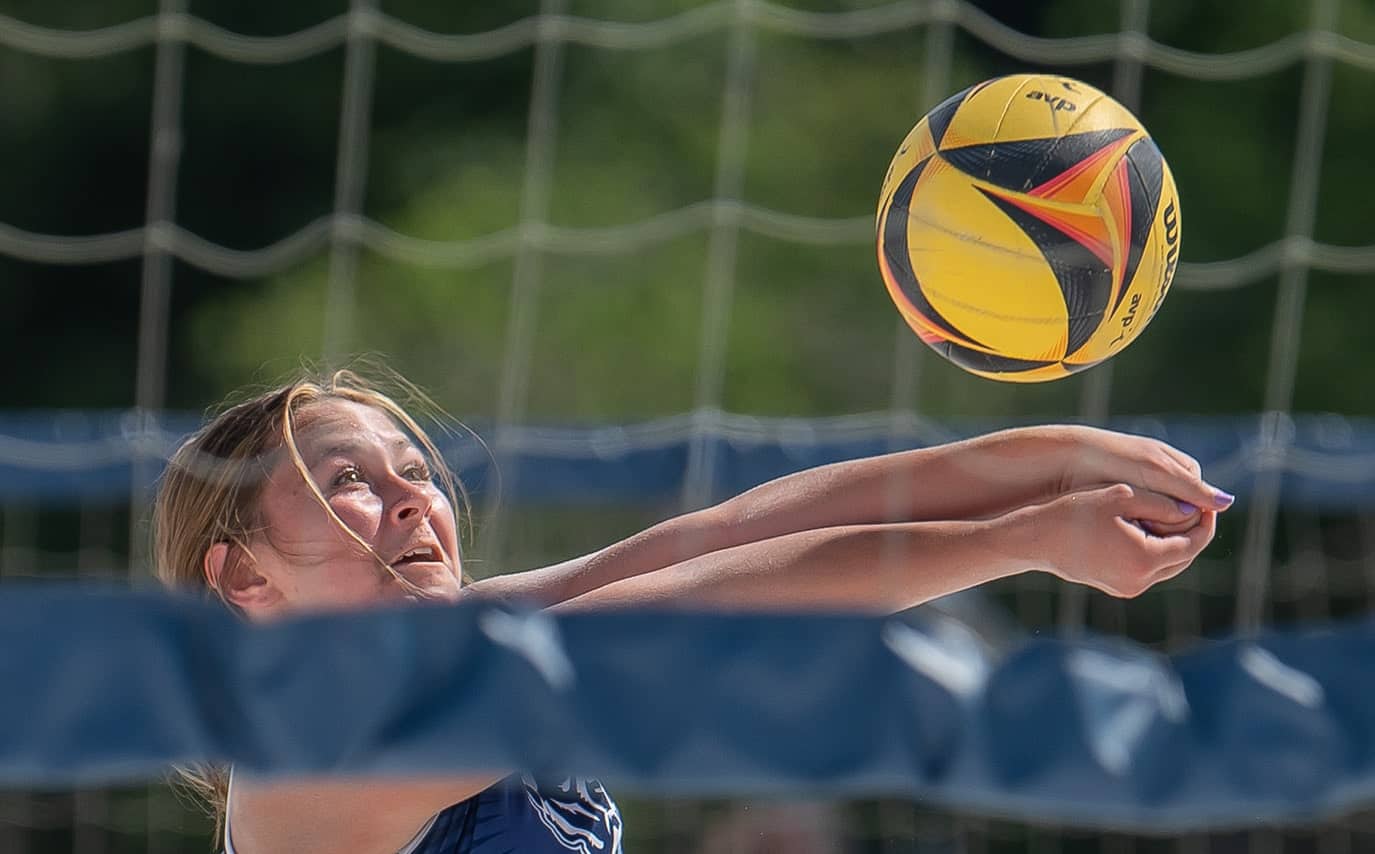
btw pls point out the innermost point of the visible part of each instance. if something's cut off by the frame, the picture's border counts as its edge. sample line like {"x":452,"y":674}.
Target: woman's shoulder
{"x":326,"y":815}
{"x":517,"y":812}
{"x":523,"y":814}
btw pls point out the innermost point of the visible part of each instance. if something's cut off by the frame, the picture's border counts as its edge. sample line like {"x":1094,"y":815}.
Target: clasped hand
{"x":1121,"y":513}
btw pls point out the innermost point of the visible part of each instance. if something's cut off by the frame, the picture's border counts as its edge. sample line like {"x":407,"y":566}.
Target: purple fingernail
{"x":1223,"y":500}
{"x":1187,"y":509}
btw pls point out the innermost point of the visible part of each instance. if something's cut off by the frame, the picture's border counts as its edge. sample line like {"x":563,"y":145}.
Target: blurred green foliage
{"x":636,"y":136}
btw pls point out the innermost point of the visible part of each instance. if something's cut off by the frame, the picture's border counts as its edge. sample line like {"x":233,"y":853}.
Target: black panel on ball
{"x":1005,"y":164}
{"x":1150,"y":165}
{"x":1074,"y":368}
{"x":979,"y":361}
{"x":938,"y":120}
{"x":1145,"y":170}
{"x":1084,"y":279}
{"x":899,"y":256}
{"x":1024,"y":164}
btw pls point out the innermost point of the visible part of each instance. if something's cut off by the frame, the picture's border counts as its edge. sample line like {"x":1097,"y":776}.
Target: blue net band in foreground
{"x":99,"y":686}
{"x":1326,"y":462}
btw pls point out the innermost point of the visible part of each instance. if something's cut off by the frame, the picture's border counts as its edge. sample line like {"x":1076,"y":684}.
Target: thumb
{"x":1157,"y":511}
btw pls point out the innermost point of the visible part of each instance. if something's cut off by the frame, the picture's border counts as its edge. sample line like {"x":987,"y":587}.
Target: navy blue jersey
{"x":519,"y":816}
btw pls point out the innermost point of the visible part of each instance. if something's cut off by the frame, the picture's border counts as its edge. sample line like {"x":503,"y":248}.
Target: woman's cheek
{"x":361,"y":511}
{"x":439,"y":503}
{"x":442,"y":518}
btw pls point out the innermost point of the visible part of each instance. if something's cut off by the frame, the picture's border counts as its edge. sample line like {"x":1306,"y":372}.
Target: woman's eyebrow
{"x":346,"y":447}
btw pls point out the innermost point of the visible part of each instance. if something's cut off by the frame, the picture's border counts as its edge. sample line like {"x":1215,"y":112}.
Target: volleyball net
{"x":714,"y":161}
{"x":1097,"y":732}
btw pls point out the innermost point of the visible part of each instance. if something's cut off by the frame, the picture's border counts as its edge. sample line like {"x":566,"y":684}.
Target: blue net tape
{"x":1327,"y":461}
{"x":99,"y":685}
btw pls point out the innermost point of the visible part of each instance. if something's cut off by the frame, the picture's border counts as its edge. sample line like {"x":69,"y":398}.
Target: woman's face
{"x":379,"y":483}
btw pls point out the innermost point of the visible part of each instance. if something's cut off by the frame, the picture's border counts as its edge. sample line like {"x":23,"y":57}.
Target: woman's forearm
{"x":882,"y":568}
{"x":972,"y":479}
{"x":665,"y":544}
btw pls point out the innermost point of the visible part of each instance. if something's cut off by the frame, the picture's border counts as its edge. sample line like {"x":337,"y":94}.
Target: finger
{"x":1160,"y":576}
{"x":1153,"y":509}
{"x":1177,"y":480}
{"x":1165,"y":529}
{"x":1170,"y":571}
{"x":1209,"y":524}
{"x":1186,"y":462}
{"x":1182,"y":548}
{"x":1165,"y":468}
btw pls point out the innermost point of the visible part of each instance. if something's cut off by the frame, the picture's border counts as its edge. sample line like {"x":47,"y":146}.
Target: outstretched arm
{"x":1088,"y":537}
{"x":974,"y":479}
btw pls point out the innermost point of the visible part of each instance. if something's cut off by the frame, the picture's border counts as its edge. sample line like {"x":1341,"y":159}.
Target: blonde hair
{"x":210,"y":489}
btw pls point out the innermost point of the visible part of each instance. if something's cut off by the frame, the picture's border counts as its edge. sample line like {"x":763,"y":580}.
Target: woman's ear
{"x":233,"y":574}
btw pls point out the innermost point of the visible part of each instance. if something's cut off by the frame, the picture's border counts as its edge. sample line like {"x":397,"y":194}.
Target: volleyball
{"x":1028,"y":228}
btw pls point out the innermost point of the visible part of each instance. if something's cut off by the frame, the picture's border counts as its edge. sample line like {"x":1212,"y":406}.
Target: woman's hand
{"x":994,"y":474}
{"x":1102,"y":537}
{"x":1088,"y":457}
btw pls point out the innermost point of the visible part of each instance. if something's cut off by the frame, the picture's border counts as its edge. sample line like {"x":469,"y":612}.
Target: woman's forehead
{"x":342,"y":423}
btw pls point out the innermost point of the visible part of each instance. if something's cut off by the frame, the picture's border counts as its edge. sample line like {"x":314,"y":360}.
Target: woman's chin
{"x":432,"y":597}
{"x":424,"y":582}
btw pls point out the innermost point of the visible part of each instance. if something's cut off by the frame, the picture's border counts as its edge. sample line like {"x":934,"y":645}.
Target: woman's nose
{"x":414,"y":502}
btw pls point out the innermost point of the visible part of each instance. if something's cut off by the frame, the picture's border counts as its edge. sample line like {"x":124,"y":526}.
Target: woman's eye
{"x":417,"y":472}
{"x":347,"y":476}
